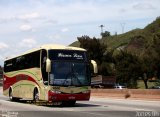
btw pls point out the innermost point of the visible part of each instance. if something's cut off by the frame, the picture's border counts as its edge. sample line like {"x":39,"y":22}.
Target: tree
{"x":127,"y":69}
{"x":156,"y":49}
{"x":105,"y":34}
{"x":150,"y":60}
{"x":94,"y":48}
{"x":98,"y":52}
{"x":146,"y":70}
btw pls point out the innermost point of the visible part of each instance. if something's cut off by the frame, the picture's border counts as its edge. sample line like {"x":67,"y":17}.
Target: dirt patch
{"x":144,"y":94}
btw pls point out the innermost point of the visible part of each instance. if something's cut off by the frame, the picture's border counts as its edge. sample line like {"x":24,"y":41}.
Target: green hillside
{"x":120,"y":40}
{"x":134,"y":40}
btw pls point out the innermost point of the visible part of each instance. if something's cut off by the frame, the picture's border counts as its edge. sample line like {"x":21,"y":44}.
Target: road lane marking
{"x":97,"y":114}
{"x":139,"y":109}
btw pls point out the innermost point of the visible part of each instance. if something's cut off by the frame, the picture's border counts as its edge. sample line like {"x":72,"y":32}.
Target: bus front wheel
{"x":11,"y":98}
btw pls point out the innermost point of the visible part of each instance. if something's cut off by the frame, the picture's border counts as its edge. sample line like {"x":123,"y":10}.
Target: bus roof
{"x":56,"y":47}
{"x":50,"y":47}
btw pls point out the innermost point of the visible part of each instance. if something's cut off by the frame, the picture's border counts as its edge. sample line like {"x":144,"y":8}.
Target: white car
{"x":120,"y":87}
{"x":155,"y":87}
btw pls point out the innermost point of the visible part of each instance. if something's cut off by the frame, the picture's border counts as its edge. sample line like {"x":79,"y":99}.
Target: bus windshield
{"x":65,"y":73}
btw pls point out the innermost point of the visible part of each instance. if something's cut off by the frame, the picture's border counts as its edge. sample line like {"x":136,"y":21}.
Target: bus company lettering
{"x":64,"y":55}
{"x":21,"y":77}
{"x":75,"y":55}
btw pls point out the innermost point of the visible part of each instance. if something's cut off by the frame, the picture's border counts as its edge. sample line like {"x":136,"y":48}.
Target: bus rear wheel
{"x":36,"y":95}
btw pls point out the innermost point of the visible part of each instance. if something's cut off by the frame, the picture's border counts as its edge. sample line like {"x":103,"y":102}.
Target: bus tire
{"x":35,"y":95}
{"x":10,"y":95}
{"x":11,"y":98}
{"x":72,"y":103}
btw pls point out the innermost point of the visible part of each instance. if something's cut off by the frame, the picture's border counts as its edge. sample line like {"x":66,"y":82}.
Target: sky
{"x":26,"y":24}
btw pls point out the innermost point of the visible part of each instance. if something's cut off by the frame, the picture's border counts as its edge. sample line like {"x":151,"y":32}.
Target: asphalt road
{"x":96,"y":107}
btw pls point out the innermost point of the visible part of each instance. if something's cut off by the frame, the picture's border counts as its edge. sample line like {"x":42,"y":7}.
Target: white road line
{"x":139,"y":109}
{"x":97,"y":114}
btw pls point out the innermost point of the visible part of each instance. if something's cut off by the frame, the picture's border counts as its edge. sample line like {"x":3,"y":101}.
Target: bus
{"x":52,"y":73}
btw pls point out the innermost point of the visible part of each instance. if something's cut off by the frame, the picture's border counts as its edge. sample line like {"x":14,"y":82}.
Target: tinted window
{"x":43,"y":65}
{"x":23,"y":62}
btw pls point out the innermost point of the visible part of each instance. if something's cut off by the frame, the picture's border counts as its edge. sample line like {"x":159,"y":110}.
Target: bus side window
{"x":43,"y":65}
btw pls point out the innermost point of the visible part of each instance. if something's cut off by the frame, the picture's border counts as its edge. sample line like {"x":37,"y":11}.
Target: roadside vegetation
{"x":133,"y":57}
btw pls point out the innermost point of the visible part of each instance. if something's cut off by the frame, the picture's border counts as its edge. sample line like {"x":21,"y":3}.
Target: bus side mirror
{"x":48,"y":65}
{"x":95,"y":69}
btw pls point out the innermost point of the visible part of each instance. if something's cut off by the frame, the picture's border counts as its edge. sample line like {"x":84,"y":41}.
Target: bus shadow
{"x":46,"y":104}
{"x":78,"y":105}
{"x":86,"y":105}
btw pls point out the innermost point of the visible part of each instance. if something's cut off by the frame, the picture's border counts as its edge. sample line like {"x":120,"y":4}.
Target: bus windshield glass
{"x":69,"y":68}
{"x":69,"y":74}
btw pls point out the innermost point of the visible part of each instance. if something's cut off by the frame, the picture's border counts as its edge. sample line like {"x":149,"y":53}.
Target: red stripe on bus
{"x":9,"y":81}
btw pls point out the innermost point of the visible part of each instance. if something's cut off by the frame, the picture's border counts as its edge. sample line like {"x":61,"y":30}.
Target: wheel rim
{"x":36,"y":96}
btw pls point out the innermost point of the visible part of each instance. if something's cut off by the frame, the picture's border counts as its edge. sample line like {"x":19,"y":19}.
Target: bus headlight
{"x":56,"y":92}
{"x":87,"y":91}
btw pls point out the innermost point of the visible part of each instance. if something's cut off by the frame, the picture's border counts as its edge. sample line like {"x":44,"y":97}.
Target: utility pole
{"x":122,"y":26}
{"x":101,"y":26}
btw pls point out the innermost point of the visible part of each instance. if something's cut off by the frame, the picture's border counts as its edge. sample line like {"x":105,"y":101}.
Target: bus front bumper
{"x":68,"y":97}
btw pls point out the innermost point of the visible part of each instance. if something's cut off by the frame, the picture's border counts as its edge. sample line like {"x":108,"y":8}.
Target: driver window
{"x":43,"y":65}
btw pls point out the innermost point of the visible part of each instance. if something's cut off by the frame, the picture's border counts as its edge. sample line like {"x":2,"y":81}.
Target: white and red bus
{"x":51,"y":73}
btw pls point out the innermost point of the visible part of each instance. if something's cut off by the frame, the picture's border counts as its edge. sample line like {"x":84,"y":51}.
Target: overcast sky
{"x":26,"y":24}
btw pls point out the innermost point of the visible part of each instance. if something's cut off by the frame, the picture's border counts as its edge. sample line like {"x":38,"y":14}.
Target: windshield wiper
{"x":73,"y":76}
{"x":74,"y":79}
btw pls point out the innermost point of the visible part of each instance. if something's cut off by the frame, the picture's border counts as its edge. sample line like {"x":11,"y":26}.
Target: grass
{"x":140,"y":84}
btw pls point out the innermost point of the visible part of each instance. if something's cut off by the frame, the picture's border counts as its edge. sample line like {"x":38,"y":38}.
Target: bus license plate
{"x":71,"y":97}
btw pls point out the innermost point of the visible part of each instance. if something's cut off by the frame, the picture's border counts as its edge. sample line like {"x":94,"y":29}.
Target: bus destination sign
{"x":67,"y":55}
